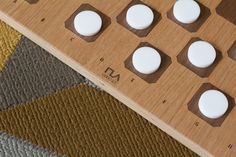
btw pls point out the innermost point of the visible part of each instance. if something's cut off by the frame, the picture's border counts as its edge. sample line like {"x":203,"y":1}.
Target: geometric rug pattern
{"x":13,"y":147}
{"x":31,"y":72}
{"x":8,"y":41}
{"x":49,"y":110}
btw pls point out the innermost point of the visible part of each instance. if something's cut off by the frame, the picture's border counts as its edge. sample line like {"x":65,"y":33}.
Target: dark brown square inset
{"x":69,"y":23}
{"x":152,"y":78}
{"x":227,"y":9}
{"x":182,"y":58}
{"x":121,"y":19}
{"x":232,"y":51}
{"x":32,"y":1}
{"x":193,"y":27}
{"x":193,"y":105}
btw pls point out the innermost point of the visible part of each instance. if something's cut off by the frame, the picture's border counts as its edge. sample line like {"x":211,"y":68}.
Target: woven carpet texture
{"x":49,"y":110}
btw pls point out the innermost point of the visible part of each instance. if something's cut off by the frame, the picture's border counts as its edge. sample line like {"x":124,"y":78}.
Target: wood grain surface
{"x":163,"y":103}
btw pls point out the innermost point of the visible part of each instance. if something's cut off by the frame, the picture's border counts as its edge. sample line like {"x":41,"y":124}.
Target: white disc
{"x":186,"y":11}
{"x":146,"y":60}
{"x":201,"y":54}
{"x":213,"y":104}
{"x":139,"y":16}
{"x":88,"y":23}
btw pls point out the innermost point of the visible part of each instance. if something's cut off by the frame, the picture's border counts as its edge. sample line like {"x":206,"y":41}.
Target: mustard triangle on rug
{"x":84,"y":121}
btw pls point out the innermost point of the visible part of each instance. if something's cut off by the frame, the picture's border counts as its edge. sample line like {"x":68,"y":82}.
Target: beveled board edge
{"x":105,"y":86}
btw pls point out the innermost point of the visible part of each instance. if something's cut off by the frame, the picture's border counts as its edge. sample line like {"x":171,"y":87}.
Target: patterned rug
{"x":49,"y":110}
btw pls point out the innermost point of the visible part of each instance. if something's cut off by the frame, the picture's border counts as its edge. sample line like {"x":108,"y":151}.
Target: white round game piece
{"x":201,"y":54}
{"x":87,"y":23}
{"x":213,"y":104}
{"x":139,"y":16}
{"x":146,"y":60}
{"x":186,"y":11}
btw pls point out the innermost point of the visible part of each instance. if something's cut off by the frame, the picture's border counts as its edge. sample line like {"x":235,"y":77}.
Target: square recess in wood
{"x":193,"y":105}
{"x":152,"y":78}
{"x":227,"y":9}
{"x":69,"y":23}
{"x":193,"y":27}
{"x":121,"y":19}
{"x":182,"y":58}
{"x":32,"y":1}
{"x":232,"y":51}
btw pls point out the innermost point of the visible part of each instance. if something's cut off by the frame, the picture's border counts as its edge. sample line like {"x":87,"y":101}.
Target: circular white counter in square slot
{"x":201,"y":54}
{"x":213,"y":104}
{"x":186,"y":11}
{"x":88,"y":23}
{"x":146,"y":60}
{"x":139,"y":16}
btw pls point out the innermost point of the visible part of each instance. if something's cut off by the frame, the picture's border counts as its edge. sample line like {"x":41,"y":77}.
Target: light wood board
{"x":163,"y":103}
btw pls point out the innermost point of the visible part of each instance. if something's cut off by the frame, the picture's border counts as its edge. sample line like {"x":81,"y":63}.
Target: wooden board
{"x":164,"y":102}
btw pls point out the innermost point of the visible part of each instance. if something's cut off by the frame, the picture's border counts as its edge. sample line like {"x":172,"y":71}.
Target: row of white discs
{"x":146,"y":60}
{"x":139,"y":16}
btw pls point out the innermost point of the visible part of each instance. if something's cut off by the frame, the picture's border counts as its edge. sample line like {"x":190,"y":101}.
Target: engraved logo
{"x":111,"y":75}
